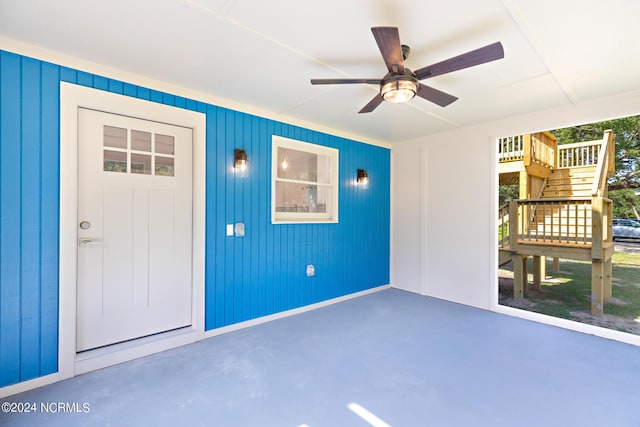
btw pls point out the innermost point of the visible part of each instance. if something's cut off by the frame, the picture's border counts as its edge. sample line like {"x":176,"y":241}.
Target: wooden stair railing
{"x":540,"y":151}
{"x":606,"y":165}
{"x":503,"y":225}
{"x":504,"y":253}
{"x":534,"y":149}
{"x":576,"y":222}
{"x":511,"y":148}
{"x":556,"y":221}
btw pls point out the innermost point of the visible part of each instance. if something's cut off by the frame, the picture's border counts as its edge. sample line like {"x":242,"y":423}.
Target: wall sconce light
{"x":240,"y":159}
{"x":363,"y":176}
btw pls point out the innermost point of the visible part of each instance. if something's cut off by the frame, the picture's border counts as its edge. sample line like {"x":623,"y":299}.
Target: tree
{"x":508,"y":192}
{"x":623,"y":203}
{"x":627,"y":132}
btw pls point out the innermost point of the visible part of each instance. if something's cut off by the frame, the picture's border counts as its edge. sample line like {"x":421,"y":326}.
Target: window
{"x":148,"y":154}
{"x":304,"y":182}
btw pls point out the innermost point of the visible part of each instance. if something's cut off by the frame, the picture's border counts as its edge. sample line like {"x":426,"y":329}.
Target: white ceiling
{"x":261,"y":54}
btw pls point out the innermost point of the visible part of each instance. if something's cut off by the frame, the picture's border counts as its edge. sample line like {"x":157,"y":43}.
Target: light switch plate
{"x":229,"y":229}
{"x":239,"y":229}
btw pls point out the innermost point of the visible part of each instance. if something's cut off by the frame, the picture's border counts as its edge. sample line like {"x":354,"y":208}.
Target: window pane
{"x":164,"y":144}
{"x":164,"y":166}
{"x":140,"y":163}
{"x":115,"y":161}
{"x":140,"y":141}
{"x":324,"y":169}
{"x":114,"y":137}
{"x":292,"y":197}
{"x":295,"y":164}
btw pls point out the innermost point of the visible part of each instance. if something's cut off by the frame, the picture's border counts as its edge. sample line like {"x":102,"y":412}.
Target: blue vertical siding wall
{"x":29,"y":176}
{"x":256,"y":275}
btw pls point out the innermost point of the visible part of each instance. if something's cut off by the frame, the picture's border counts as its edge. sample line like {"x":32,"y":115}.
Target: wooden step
{"x":554,"y":179}
{"x":570,"y":182}
{"x":567,"y":193}
{"x":567,"y":189}
{"x":566,"y":184}
{"x":585,"y":170}
{"x":574,"y":182}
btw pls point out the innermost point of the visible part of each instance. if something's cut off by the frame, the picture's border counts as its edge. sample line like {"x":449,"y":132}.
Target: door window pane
{"x":164,"y":166}
{"x":115,"y":137}
{"x":115,"y":161}
{"x":164,"y":144}
{"x":140,"y":141}
{"x":140,"y":163}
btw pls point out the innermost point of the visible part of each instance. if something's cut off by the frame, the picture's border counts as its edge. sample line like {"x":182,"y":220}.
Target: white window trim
{"x":304,"y":217}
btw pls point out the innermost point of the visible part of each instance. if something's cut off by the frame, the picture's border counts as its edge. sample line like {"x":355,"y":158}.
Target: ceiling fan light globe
{"x":398,"y":91}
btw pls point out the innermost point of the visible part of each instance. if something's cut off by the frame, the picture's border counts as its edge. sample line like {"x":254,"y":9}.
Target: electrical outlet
{"x":311,"y":270}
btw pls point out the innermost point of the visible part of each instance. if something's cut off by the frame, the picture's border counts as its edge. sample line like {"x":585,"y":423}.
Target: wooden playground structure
{"x":562,"y":211}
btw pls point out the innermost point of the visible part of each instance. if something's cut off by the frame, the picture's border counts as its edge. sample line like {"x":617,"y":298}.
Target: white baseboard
{"x":10,"y":390}
{"x":98,"y":359}
{"x":283,"y":314}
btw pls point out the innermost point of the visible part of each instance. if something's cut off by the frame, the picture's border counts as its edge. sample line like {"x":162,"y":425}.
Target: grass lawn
{"x":568,"y":294}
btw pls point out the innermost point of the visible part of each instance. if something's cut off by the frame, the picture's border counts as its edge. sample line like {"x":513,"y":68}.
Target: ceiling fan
{"x":401,"y":84}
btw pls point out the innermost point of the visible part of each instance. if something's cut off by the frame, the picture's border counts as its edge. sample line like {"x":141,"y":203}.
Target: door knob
{"x":84,"y":241}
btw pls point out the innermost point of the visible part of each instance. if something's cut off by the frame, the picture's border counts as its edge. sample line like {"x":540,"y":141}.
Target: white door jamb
{"x":71,"y":98}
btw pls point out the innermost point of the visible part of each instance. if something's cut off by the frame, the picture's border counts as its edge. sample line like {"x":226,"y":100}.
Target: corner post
{"x":597,"y":286}
{"x":520,"y":276}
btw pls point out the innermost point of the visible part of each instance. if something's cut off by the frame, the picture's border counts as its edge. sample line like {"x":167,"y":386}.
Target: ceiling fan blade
{"x":434,"y":95}
{"x":377,"y":100}
{"x":344,"y":81}
{"x":388,"y":40}
{"x":475,"y":57}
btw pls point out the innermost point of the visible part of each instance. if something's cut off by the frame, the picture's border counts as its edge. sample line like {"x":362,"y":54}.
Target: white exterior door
{"x":134,"y":228}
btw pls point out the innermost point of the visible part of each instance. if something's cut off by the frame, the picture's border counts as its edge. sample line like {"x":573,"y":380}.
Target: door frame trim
{"x":73,"y":97}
